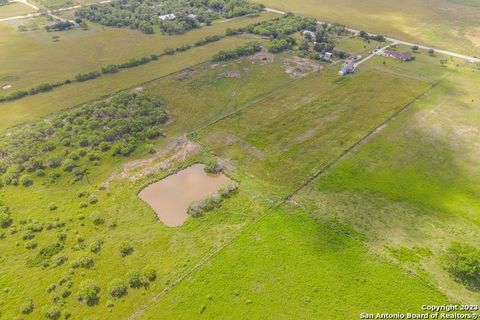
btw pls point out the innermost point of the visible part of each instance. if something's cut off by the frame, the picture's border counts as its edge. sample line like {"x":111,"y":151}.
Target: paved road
{"x":441,"y":51}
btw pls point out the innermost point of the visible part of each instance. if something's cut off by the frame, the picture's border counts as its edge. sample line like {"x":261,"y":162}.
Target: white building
{"x":168,"y":17}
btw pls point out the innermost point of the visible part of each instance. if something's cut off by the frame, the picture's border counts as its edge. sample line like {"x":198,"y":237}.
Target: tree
{"x":415,"y":48}
{"x":5,"y":220}
{"x":125,"y":249}
{"x":27,"y":307}
{"x":88,"y":292}
{"x":52,"y":313}
{"x":116,"y":288}
{"x":431,"y":52}
{"x":463,"y":263}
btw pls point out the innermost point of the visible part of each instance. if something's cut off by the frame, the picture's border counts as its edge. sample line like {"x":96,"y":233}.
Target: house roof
{"x":398,"y":55}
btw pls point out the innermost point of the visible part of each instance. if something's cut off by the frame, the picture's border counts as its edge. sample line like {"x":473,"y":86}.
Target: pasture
{"x":214,"y":103}
{"x":351,"y":188}
{"x":34,"y":107}
{"x":14,"y":9}
{"x":434,"y":22}
{"x":291,"y":266}
{"x":79,"y":51}
{"x":297,"y":131}
{"x":414,"y":186}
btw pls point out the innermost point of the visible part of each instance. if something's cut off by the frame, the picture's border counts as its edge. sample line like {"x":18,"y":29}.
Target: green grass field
{"x":298,"y":130}
{"x":82,"y":51}
{"x":290,"y":266}
{"x":14,"y":9}
{"x":351,"y":188}
{"x":37,"y":106}
{"x":202,"y":96}
{"x":356,"y":46}
{"x":451,"y":25}
{"x":420,"y":171}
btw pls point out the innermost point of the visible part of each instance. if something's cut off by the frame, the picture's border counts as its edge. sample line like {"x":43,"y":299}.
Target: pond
{"x":170,"y":197}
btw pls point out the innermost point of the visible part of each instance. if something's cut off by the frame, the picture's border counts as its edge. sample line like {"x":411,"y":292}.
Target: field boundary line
{"x":367,"y":136}
{"x":140,"y":311}
{"x":258,"y":100}
{"x":287,"y":199}
{"x":370,"y":249}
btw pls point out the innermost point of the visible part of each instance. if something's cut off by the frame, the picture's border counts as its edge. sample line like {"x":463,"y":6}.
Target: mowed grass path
{"x":297,"y":131}
{"x":34,"y":107}
{"x":32,"y":57}
{"x":291,"y":266}
{"x":441,"y":23}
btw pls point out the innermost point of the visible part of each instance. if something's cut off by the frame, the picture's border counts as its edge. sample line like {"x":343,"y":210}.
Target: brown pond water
{"x":170,"y":197}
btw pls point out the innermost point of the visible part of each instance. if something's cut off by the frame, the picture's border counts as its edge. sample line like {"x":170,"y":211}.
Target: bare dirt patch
{"x":176,"y":151}
{"x":185,"y":74}
{"x":232,"y":74}
{"x":297,"y":67}
{"x":473,"y":35}
{"x":171,"y":196}
{"x":263,"y":56}
{"x":137,"y":90}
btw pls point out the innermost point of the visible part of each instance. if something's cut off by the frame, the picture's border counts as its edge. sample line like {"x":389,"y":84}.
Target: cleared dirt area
{"x":297,"y":67}
{"x":176,"y":151}
{"x":170,"y":197}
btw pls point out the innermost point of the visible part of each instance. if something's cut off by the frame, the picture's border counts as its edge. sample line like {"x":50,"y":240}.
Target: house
{"x":328,"y":55}
{"x":402,"y":56}
{"x":6,"y":86}
{"x":347,"y":68}
{"x":168,"y":17}
{"x":192,"y":16}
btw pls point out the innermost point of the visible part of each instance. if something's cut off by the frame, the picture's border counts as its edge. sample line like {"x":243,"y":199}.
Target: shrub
{"x":197,"y":208}
{"x":97,"y":219}
{"x":30,"y":245}
{"x":66,"y":293}
{"x":59,"y":260}
{"x":169,"y":51}
{"x":150,"y":148}
{"x":150,"y":274}
{"x":116,"y":288}
{"x":52,"y":206}
{"x":87,"y":76}
{"x":96,"y":246}
{"x":44,"y":87}
{"x":5,"y":219}
{"x":463,"y":263}
{"x":137,"y":279}
{"x":184,"y":47}
{"x":83,"y":262}
{"x":280,"y":44}
{"x":51,"y":288}
{"x":125,"y":249}
{"x":27,"y":307}
{"x":228,"y":189}
{"x":244,"y":50}
{"x":212,"y":166}
{"x":52,"y":313}
{"x":45,"y":254}
{"x":111,"y":68}
{"x":88,"y":292}
{"x":26,"y":181}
